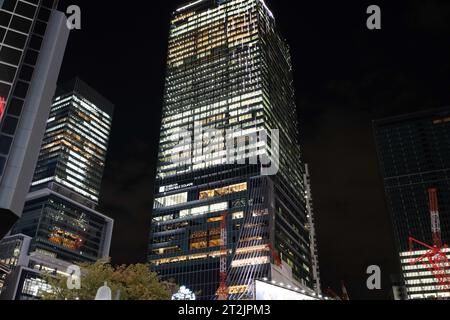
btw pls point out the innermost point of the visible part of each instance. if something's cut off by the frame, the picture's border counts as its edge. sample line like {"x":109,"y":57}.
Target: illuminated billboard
{"x":265,"y":291}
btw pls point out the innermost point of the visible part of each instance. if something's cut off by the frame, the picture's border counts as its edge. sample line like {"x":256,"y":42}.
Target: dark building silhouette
{"x":414,"y":156}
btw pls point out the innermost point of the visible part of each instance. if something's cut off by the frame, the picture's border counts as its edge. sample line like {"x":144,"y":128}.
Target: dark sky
{"x":345,"y":77}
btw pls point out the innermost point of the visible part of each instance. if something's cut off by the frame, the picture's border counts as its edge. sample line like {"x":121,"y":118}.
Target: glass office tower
{"x":414,"y":156}
{"x":60,"y":217}
{"x":229,"y":70}
{"x":60,"y":212}
{"x":33,"y":37}
{"x":73,"y":153}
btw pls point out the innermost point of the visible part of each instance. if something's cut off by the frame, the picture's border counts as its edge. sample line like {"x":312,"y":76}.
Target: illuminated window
{"x":219,"y":207}
{"x":35,"y":287}
{"x":250,"y":262}
{"x":66,"y":239}
{"x":250,"y":239}
{"x":215,"y":243}
{"x":238,"y":215}
{"x":172,"y":200}
{"x":215,"y":219}
{"x":167,"y":250}
{"x":259,"y":213}
{"x":238,"y":289}
{"x":204,"y":210}
{"x":199,"y":245}
{"x":208,"y":194}
{"x":439,"y":121}
{"x":199,"y":234}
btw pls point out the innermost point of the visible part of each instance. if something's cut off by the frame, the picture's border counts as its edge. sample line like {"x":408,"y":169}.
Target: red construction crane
{"x":223,"y":291}
{"x":275,"y":255}
{"x":435,"y":221}
{"x":435,"y":259}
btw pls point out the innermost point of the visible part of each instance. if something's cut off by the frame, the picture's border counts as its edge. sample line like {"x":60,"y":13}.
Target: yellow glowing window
{"x":439,"y":121}
{"x":216,"y":219}
{"x":238,"y":289}
{"x":185,"y":258}
{"x":208,"y":194}
{"x":215,"y":243}
{"x":199,"y":245}
{"x":66,"y":239}
{"x":199,"y":234}
{"x":215,"y":231}
{"x":167,"y":250}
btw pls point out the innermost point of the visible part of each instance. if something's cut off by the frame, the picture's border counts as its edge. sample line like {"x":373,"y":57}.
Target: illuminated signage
{"x":174,"y":187}
{"x":2,"y":107}
{"x":266,"y":291}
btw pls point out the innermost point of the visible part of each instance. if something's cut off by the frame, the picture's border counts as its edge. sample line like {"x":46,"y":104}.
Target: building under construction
{"x":221,"y":219}
{"x":414,"y":155}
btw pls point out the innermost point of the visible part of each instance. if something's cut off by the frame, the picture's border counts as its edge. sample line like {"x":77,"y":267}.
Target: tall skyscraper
{"x":33,"y":37}
{"x":60,"y":213}
{"x":414,"y":156}
{"x":230,"y":197}
{"x":74,"y":149}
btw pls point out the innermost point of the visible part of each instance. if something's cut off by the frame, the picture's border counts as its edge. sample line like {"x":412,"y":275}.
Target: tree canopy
{"x":132,"y":282}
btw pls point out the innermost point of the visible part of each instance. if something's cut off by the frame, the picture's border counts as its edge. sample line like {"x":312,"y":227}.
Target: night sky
{"x":345,"y":77}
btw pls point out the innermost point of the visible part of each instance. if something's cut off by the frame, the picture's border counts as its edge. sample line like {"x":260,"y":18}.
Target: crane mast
{"x":435,"y":260}
{"x":223,"y":291}
{"x":435,"y":221}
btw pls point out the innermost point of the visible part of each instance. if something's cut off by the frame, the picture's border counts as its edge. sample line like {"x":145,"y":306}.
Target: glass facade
{"x":12,"y":254}
{"x":59,"y":213}
{"x":32,"y":286}
{"x":228,"y":69}
{"x":22,"y":29}
{"x":63,"y":229}
{"x":75,"y":144}
{"x":414,"y":156}
{"x":10,"y":250}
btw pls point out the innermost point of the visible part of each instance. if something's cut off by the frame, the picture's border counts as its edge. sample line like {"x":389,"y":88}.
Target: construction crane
{"x":223,"y":291}
{"x":435,"y":221}
{"x":435,"y":260}
{"x":275,"y":255}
